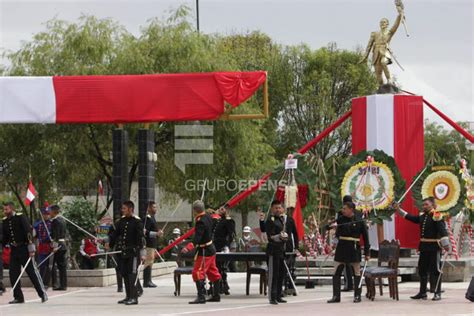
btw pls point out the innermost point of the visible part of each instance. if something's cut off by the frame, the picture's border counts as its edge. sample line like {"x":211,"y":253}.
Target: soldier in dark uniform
{"x":277,"y":239}
{"x":349,"y":229}
{"x":224,"y":234}
{"x":151,"y":234}
{"x":58,"y":244}
{"x":348,"y":273}
{"x":17,"y":232}
{"x":129,"y":233}
{"x":291,"y":246}
{"x":205,"y":259}
{"x":433,"y":237}
{"x":41,"y":232}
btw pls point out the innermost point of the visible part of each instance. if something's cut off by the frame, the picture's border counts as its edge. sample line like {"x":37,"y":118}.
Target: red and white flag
{"x":126,"y":98}
{"x":394,"y":124}
{"x":101,"y":187}
{"x":30,"y":193}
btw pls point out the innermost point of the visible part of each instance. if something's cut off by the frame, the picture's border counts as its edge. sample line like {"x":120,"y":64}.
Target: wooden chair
{"x":182,"y":268}
{"x":389,"y":253}
{"x":259,"y":269}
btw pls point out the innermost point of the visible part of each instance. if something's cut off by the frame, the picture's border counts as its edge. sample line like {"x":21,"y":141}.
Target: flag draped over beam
{"x":124,"y":98}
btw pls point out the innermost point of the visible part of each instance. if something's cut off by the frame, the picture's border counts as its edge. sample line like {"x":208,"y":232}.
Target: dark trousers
{"x":60,"y":266}
{"x":428,"y":263}
{"x":223,"y":266}
{"x":348,"y":274}
{"x":44,"y":269}
{"x":290,"y":262}
{"x":18,"y":258}
{"x":276,"y":274}
{"x":128,"y":270}
{"x":118,"y":271}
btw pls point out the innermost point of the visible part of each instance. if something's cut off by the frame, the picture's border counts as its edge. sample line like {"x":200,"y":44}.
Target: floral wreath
{"x":382,"y":189}
{"x":379,"y":157}
{"x":442,"y":183}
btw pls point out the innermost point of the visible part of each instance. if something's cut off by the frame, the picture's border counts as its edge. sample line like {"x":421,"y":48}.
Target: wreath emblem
{"x":442,"y":183}
{"x":370,"y":185}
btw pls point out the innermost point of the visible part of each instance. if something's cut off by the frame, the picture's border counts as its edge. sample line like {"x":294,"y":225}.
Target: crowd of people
{"x":131,"y":245}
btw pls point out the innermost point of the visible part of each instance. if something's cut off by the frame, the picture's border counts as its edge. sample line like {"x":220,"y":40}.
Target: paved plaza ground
{"x":161,"y":301}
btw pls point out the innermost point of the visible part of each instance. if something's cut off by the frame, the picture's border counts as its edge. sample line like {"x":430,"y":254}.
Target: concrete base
{"x":99,"y":277}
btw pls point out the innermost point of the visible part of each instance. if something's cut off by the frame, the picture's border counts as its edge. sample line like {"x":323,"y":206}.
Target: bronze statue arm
{"x":369,"y":47}
{"x":395,"y":26}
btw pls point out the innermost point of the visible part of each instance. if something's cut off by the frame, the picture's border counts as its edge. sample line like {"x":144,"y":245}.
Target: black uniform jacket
{"x":224,"y":232}
{"x":349,"y":250}
{"x":202,"y":235}
{"x":58,"y":231}
{"x":430,"y":229}
{"x":17,"y":231}
{"x":128,"y":236}
{"x":150,"y":225}
{"x":273,"y":227}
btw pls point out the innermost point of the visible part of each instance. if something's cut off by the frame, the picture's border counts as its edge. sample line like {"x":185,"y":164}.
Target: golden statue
{"x":379,"y":44}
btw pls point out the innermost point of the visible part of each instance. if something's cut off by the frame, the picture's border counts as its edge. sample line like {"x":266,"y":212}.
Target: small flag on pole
{"x":30,"y":193}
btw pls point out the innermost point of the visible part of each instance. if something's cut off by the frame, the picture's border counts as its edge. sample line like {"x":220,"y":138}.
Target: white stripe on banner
{"x":380,"y":135}
{"x":27,"y":100}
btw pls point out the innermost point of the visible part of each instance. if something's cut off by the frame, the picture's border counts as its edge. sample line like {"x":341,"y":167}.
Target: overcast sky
{"x":437,"y":57}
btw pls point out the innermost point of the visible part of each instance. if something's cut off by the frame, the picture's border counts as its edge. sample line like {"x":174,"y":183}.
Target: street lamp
{"x":197,"y":15}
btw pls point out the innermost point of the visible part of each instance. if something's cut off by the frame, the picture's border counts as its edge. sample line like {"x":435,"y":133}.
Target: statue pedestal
{"x":392,"y":123}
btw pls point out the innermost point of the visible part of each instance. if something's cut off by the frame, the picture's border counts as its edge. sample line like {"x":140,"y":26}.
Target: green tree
{"x":445,"y":146}
{"x":83,"y":214}
{"x":320,"y":87}
{"x":69,"y":159}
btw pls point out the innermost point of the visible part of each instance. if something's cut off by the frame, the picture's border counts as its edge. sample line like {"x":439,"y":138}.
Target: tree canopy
{"x":308,"y":88}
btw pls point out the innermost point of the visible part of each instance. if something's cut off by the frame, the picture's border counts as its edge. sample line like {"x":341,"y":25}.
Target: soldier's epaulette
{"x":18,"y":214}
{"x":4,"y":218}
{"x":437,"y":216}
{"x":122,"y":216}
{"x":273,"y":218}
{"x":149,"y":216}
{"x":136,"y":216}
{"x":228,"y":217}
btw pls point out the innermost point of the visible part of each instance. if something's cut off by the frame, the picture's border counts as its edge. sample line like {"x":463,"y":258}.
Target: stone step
{"x":326,"y":271}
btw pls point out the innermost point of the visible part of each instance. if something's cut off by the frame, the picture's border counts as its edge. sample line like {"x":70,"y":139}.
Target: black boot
{"x":63,"y":279}
{"x":127,"y":290}
{"x":348,"y":285}
{"x":54,"y":278}
{"x":44,"y":297}
{"x":133,"y":288}
{"x":201,"y":293}
{"x":119,"y":282}
{"x":437,"y":296}
{"x":147,"y":278}
{"x":216,"y":292}
{"x":225,"y":286}
{"x":357,"y":289}
{"x":17,"y":301}
{"x":139,"y":287}
{"x":336,"y":289}
{"x":422,"y":294}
